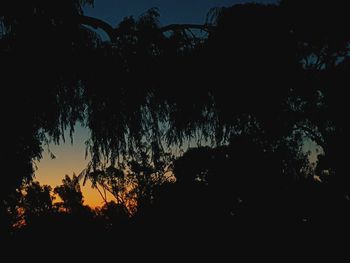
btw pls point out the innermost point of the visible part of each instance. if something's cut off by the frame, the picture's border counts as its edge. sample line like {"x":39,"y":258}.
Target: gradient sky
{"x":71,"y":158}
{"x":172,"y":11}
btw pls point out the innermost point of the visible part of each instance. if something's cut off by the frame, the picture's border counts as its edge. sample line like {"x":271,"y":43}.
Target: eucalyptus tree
{"x":273,"y":73}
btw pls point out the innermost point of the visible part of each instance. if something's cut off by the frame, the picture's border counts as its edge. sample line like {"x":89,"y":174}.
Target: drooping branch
{"x":111,"y":32}
{"x":99,"y":24}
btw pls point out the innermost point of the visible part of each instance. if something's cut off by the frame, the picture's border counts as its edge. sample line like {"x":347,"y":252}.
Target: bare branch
{"x":102,"y":196}
{"x":111,"y":32}
{"x":98,"y":23}
{"x":314,"y":136}
{"x":177,"y":27}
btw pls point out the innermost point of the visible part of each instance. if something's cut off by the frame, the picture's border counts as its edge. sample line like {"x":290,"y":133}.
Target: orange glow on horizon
{"x":70,"y":159}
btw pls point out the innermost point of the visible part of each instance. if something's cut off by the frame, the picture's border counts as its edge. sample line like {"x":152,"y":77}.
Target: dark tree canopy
{"x":255,"y":83}
{"x":70,"y":194}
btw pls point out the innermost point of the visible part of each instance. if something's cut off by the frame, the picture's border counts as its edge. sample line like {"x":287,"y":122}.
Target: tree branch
{"x":103,"y":197}
{"x":314,"y":136}
{"x":98,"y":23}
{"x":176,"y":27}
{"x":111,"y":32}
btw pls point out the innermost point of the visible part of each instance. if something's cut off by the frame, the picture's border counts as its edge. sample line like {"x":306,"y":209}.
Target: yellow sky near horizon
{"x":70,"y":159}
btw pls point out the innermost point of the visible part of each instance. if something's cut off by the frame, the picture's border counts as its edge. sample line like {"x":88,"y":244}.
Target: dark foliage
{"x":253,"y":84}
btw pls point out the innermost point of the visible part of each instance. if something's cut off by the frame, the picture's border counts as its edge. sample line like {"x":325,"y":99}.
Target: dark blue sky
{"x":172,"y":11}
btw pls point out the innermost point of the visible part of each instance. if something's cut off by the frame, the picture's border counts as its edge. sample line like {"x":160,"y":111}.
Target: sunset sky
{"x":71,"y":158}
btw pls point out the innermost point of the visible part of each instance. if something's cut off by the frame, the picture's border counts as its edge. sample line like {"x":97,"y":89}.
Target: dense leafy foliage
{"x":255,"y":83}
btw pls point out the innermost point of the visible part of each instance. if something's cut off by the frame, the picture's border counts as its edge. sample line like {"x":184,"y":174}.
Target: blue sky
{"x":172,"y":11}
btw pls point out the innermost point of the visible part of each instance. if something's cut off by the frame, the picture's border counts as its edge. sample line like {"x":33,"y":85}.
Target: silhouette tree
{"x":70,"y":194}
{"x":37,"y":203}
{"x":37,"y":44}
{"x":263,"y":80}
{"x":12,"y":215}
{"x":322,"y":46}
{"x":114,"y":216}
{"x":132,"y":184}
